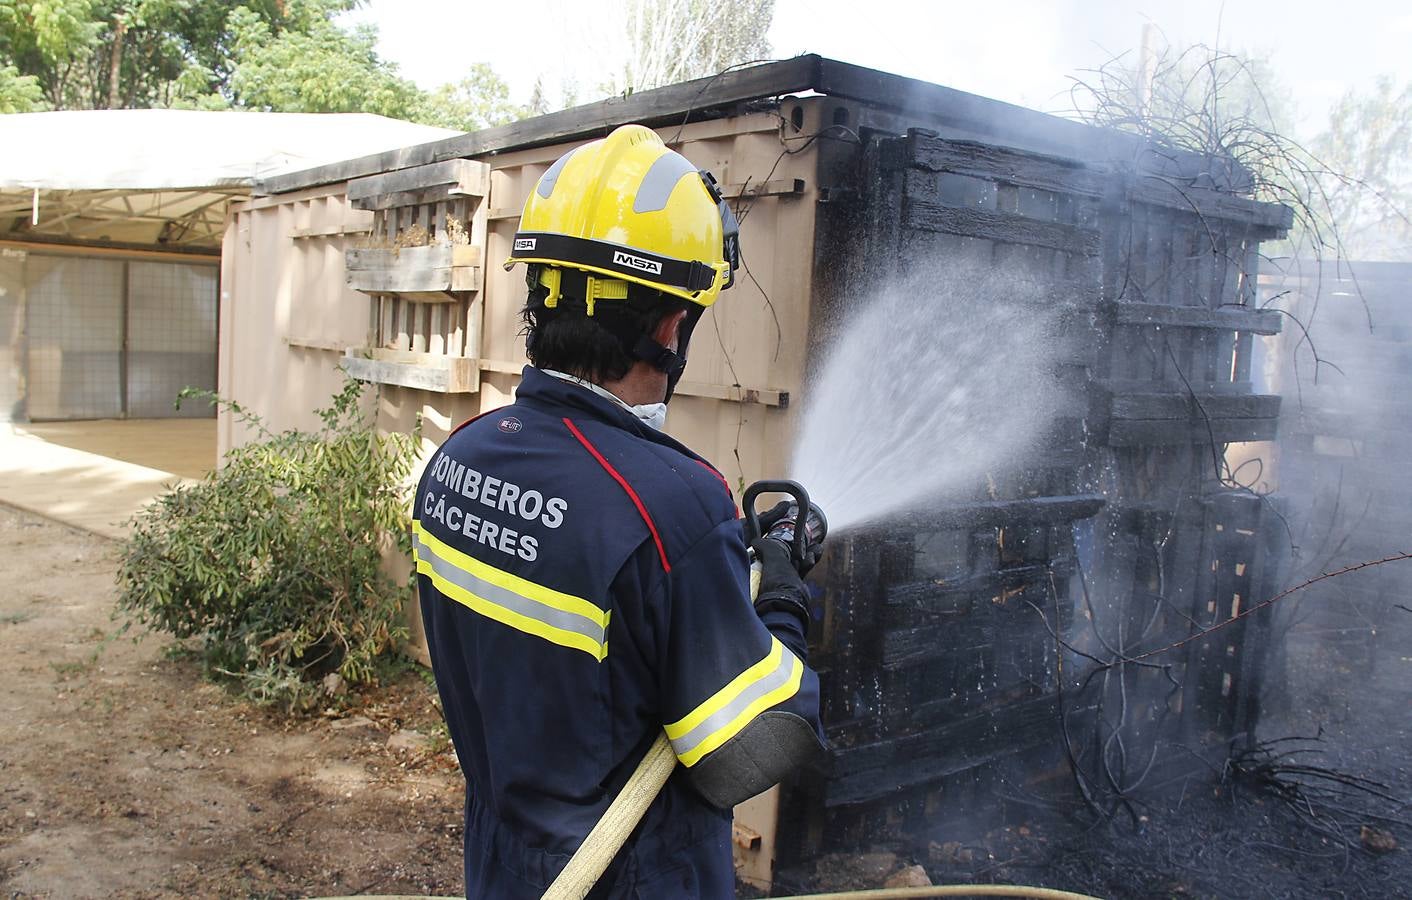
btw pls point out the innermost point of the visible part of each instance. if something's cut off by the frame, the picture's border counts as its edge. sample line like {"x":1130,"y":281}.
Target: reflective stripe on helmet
{"x":562,"y":249}
{"x":659,"y":182}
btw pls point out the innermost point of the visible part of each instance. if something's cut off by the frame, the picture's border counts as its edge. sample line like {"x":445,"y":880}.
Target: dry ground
{"x":124,"y":774}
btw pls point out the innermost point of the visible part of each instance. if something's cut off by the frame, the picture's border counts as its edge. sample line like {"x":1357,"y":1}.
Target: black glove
{"x":781,"y":586}
{"x":770,"y":517}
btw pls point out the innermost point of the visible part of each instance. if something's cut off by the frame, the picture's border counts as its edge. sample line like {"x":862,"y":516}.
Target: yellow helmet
{"x":626,"y":209}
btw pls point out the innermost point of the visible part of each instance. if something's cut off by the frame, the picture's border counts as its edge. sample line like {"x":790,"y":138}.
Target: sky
{"x":1020,"y":51}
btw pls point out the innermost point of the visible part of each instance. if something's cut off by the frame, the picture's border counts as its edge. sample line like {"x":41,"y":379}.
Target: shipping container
{"x":944,"y":635}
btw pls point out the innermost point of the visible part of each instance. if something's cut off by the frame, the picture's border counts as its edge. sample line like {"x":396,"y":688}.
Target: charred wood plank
{"x":1068,"y":176}
{"x":1252,"y":321}
{"x":1269,"y":220}
{"x":1184,"y":405}
{"x":883,"y":768}
{"x":1137,"y":432}
{"x":946,"y":106}
{"x":1034,"y":170}
{"x":1010,"y":228}
{"x":1156,"y":518}
{"x":1146,"y":386}
{"x":916,"y":644}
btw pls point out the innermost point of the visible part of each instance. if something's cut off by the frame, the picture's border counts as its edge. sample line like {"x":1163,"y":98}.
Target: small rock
{"x":352,"y":722}
{"x":912,"y":876}
{"x":406,"y":739}
{"x":1376,"y":840}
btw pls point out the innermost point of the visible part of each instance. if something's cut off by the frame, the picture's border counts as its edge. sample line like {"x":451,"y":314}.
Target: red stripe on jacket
{"x":623,"y":483}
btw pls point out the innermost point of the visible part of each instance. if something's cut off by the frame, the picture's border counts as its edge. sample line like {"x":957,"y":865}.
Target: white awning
{"x":165,"y":176}
{"x":149,"y":149}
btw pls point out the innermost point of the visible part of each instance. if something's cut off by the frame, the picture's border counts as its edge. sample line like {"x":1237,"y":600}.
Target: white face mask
{"x":651,"y":414}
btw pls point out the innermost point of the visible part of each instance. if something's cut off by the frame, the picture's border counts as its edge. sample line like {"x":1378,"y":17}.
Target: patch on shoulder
{"x":510,"y":425}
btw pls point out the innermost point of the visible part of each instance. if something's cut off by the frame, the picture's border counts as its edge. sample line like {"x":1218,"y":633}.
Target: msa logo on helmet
{"x":636,"y":262}
{"x":524,"y":243}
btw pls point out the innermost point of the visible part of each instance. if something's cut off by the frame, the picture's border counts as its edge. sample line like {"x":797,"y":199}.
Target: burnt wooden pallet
{"x":877,"y":770}
{"x":942,"y":641}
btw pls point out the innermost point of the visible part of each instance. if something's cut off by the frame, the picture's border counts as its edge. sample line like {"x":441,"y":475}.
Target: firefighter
{"x":583,"y":577}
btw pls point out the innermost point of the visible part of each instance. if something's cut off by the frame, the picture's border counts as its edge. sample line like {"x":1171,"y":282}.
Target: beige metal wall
{"x":287,"y":314}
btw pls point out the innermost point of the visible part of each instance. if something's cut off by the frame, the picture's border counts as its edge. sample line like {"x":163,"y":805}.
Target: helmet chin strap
{"x":665,"y":360}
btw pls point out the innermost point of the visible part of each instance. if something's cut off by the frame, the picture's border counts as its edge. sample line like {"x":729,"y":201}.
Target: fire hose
{"x":935,"y":890}
{"x":606,"y":838}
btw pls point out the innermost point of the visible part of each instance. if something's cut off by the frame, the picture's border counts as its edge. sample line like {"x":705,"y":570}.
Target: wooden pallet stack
{"x":424,"y":267}
{"x":942,"y":649}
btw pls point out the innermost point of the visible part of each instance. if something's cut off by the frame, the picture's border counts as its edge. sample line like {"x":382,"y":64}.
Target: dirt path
{"x":123,"y":774}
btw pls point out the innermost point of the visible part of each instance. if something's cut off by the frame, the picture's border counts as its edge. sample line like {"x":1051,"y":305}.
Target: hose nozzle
{"x":786,"y":530}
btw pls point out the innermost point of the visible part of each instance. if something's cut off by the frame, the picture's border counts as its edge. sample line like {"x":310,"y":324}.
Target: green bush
{"x":273,"y":563}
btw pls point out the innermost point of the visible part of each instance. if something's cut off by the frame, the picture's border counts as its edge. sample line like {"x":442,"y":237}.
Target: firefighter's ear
{"x":668,"y":330}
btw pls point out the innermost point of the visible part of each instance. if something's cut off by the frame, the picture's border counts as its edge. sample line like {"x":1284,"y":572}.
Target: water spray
{"x":938,"y":381}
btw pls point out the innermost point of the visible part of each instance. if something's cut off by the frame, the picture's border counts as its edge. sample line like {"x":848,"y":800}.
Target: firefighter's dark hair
{"x":567,"y":339}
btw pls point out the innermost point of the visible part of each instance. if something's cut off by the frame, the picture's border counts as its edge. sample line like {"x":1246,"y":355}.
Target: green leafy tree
{"x":314,"y":66}
{"x":45,"y":40}
{"x":19,"y":93}
{"x":94,"y":54}
{"x":278,"y":55}
{"x":479,"y":100}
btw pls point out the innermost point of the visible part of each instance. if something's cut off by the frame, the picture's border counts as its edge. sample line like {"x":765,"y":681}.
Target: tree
{"x":668,"y":41}
{"x":1369,"y":143}
{"x":1231,"y":109}
{"x":278,"y":55}
{"x":96,"y":54}
{"x":19,"y":93}
{"x":479,"y":100}
{"x":315,"y":67}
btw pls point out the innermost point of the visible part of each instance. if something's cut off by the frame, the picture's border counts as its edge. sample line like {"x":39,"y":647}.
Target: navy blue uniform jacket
{"x":584,"y":585}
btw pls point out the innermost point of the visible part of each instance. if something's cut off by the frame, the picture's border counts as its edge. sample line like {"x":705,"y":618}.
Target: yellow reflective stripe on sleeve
{"x":725,"y":713}
{"x":532,"y":608}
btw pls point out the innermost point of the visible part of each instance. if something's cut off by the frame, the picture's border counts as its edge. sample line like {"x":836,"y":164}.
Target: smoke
{"x":1344,"y":431}
{"x":936,"y":381}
